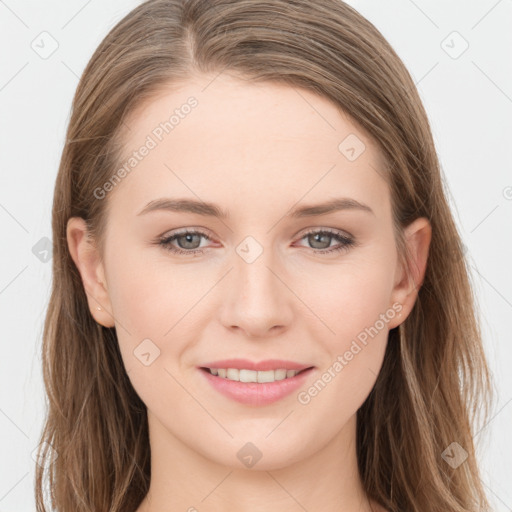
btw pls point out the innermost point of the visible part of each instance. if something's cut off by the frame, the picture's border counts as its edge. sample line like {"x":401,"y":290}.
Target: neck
{"x":183,"y":479}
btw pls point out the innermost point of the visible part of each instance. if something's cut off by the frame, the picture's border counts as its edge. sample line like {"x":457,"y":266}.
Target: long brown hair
{"x":94,"y":447}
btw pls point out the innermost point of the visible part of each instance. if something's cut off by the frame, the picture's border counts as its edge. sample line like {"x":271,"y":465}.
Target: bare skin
{"x":257,"y":151}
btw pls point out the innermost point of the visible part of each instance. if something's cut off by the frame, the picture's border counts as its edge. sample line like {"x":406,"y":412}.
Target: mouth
{"x":256,"y":387}
{"x":255,"y":376}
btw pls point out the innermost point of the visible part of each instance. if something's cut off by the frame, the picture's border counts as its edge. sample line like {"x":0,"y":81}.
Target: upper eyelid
{"x":186,"y":231}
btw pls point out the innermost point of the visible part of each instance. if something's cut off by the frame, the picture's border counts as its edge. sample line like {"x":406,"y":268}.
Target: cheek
{"x":355,"y":305}
{"x":148,"y":294}
{"x":351,"y":296}
{"x":150,"y":310}
{"x":158,"y":310}
{"x":357,"y":310}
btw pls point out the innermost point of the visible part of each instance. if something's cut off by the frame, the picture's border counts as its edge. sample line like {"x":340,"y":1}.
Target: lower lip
{"x":254,"y":393}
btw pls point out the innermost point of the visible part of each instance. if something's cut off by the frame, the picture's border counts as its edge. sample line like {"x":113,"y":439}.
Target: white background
{"x":469,"y":103}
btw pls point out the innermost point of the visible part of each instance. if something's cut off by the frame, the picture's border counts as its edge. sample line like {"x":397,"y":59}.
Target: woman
{"x":260,"y":298}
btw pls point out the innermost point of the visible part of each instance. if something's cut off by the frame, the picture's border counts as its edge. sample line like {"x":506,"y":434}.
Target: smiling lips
{"x":252,"y":375}
{"x":243,"y":370}
{"x":255,"y":383}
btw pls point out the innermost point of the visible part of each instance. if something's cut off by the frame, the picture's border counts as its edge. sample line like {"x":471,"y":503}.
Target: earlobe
{"x":87,"y":260}
{"x":417,"y":237}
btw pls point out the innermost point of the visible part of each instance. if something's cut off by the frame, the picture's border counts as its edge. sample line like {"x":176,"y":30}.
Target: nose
{"x":257,"y":301}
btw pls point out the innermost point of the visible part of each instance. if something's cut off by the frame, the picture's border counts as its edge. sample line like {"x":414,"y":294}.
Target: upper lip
{"x":268,"y":364}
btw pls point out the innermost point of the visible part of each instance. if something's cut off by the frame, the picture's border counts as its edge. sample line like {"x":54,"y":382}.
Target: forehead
{"x":218,"y":136}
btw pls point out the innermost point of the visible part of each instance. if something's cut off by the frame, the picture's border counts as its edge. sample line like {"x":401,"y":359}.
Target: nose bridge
{"x":252,"y":269}
{"x":258,"y":300}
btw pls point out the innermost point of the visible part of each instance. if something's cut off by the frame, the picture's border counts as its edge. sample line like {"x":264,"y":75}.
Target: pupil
{"x":188,"y":237}
{"x":317,"y":238}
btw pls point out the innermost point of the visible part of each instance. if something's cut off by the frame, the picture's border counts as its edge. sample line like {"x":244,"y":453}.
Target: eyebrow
{"x":212,"y":210}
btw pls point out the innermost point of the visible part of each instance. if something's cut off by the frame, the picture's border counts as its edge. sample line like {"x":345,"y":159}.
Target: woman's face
{"x":264,"y":282}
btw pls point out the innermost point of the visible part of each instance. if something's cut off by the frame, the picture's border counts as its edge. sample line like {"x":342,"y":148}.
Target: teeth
{"x":253,"y":376}
{"x":280,"y":374}
{"x":232,"y":374}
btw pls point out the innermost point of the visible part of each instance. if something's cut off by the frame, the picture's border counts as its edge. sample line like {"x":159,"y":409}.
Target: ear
{"x":405,"y":292}
{"x":87,"y":260}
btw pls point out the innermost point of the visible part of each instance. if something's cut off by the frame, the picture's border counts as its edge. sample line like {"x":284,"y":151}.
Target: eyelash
{"x":346,"y":242}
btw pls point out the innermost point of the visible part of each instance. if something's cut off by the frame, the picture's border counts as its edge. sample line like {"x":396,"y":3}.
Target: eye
{"x":323,"y":238}
{"x":187,"y":242}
